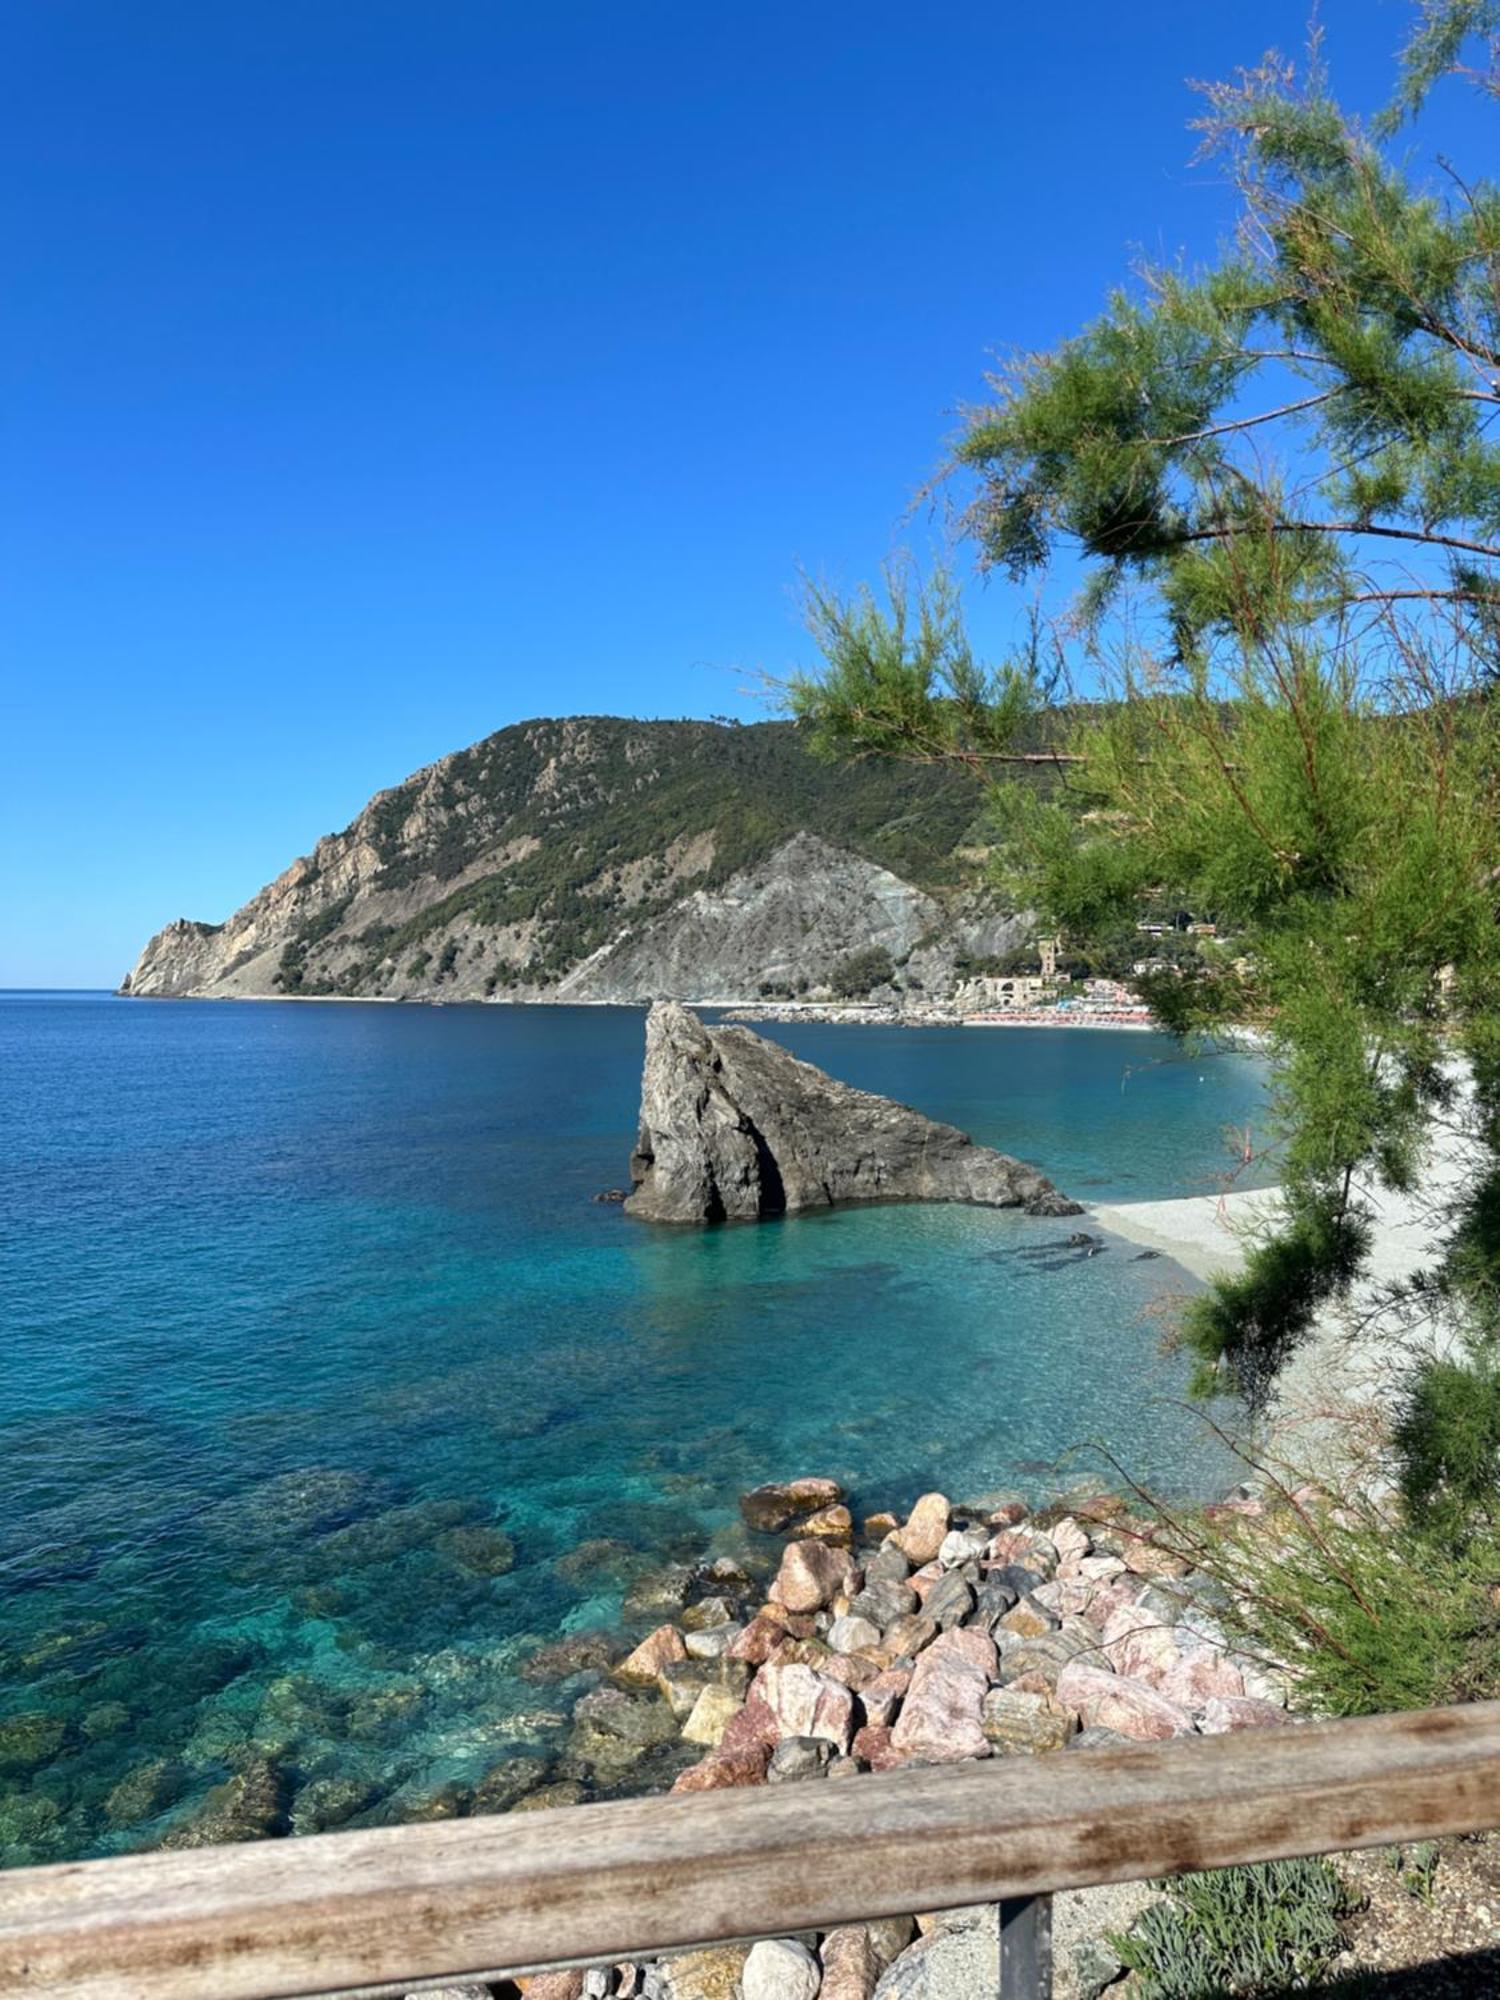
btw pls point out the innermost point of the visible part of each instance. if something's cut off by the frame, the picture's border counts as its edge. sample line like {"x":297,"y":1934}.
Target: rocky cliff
{"x":736,"y":1129}
{"x":597,"y":859}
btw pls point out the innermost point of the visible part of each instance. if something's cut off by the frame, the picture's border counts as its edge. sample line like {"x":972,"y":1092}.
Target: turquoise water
{"x":295,"y":1298}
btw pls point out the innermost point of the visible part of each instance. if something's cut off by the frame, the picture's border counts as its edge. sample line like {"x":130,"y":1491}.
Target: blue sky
{"x":379,"y":372}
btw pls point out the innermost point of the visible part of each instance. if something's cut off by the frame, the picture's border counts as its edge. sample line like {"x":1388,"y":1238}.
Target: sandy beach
{"x":1349,"y":1365}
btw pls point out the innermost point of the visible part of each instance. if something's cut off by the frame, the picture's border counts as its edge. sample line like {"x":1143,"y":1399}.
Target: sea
{"x":330,"y":1393}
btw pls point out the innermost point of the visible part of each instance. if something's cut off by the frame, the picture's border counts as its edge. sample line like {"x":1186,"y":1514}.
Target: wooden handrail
{"x":374,"y":1912}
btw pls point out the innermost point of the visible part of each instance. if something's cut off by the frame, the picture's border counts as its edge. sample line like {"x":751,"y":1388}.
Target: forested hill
{"x":600,"y":858}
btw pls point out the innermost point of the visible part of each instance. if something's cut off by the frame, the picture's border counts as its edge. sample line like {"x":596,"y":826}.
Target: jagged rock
{"x":940,"y":1718}
{"x":734,"y":1128}
{"x":659,"y":1649}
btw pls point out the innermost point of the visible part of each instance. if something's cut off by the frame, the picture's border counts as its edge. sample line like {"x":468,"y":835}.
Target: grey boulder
{"x":736,"y":1129}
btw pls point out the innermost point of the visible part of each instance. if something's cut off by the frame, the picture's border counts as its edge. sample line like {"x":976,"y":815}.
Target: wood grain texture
{"x":360,"y":1910}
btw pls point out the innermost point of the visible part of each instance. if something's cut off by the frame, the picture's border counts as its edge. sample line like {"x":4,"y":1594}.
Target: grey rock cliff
{"x":734,"y":1128}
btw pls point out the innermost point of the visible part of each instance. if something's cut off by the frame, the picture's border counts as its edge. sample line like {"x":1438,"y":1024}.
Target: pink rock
{"x":724,"y":1771}
{"x":940,"y":1717}
{"x":881,"y":1698}
{"x":811,"y":1575}
{"x":829,"y":1524}
{"x":755,"y":1728}
{"x":873,"y":1746}
{"x":1109,"y":1596}
{"x":909,"y":1634}
{"x":921,"y":1580}
{"x":1200,"y":1676}
{"x":1223,"y":1713}
{"x":1007,"y":1515}
{"x":1109,"y":1701}
{"x":851,"y":1668}
{"x":552,"y":1986}
{"x":1067,"y":1596}
{"x":758,"y":1641}
{"x":1070,"y":1538}
{"x":851,"y":1964}
{"x":1098,"y":1569}
{"x":805,"y":1702}
{"x":1139,"y":1643}
{"x":661,"y":1648}
{"x":926,"y":1525}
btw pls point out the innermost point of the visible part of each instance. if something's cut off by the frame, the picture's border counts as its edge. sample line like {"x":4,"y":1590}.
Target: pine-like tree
{"x":1280,"y":477}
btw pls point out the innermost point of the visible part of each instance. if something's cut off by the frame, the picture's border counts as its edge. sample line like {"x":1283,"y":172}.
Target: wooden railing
{"x":376,"y":1913}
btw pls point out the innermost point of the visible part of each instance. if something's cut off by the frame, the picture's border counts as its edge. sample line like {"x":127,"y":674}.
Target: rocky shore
{"x":958,"y":1632}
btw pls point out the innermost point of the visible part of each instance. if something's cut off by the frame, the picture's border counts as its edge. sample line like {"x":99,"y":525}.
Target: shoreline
{"x":1349,"y":1364}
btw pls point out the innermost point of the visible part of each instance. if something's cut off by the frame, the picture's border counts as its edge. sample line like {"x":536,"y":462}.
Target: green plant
{"x":861,"y":971}
{"x":1281,"y":477}
{"x":1367,"y":1613}
{"x":1416,"y":1867}
{"x":1238,"y":1931}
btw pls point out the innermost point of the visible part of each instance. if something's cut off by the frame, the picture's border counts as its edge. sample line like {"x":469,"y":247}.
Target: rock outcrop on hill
{"x":736,"y":1129}
{"x":597,"y":859}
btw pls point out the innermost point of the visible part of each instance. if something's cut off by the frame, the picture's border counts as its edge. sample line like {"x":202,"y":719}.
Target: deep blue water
{"x":290,"y":1293}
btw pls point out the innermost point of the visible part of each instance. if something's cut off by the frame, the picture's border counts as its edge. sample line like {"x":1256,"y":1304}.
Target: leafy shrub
{"x":1242,"y":1931}
{"x":1447,"y":1438}
{"x":1367,"y":1612}
{"x":861,"y":971}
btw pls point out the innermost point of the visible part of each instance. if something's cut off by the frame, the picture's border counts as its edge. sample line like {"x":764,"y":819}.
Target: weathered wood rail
{"x":375,"y":1913}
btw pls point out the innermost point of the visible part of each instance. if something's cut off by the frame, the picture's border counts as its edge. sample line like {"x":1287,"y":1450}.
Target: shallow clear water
{"x":292,"y":1293}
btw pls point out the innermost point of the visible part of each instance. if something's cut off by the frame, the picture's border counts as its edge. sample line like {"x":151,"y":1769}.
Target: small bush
{"x":1447,"y":1438}
{"x":1368,"y":1613}
{"x":1240,"y":1931}
{"x":861,"y":971}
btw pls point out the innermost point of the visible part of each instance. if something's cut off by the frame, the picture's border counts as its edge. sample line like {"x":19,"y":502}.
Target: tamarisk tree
{"x":1279,"y":480}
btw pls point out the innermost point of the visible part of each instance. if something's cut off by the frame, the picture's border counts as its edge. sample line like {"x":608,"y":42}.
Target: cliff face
{"x":596,"y":859}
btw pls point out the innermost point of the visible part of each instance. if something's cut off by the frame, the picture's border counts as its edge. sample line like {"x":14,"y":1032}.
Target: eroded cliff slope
{"x":602,"y":859}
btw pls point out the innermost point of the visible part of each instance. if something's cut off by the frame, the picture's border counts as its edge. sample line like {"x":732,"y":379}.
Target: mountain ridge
{"x":598,"y":858}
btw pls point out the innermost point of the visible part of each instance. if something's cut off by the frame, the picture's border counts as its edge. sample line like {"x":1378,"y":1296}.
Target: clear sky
{"x":379,"y":372}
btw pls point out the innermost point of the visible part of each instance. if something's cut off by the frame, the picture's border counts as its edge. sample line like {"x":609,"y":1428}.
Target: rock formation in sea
{"x":600,"y":859}
{"x":735,"y":1128}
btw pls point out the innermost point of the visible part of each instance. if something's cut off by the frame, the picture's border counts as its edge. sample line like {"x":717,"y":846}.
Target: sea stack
{"x":735,"y":1129}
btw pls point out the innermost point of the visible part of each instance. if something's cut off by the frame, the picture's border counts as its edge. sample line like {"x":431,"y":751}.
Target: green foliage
{"x":1447,"y":1438}
{"x":1238,"y":1931}
{"x":1281,"y":477}
{"x":861,"y":971}
{"x":1370,"y":1614}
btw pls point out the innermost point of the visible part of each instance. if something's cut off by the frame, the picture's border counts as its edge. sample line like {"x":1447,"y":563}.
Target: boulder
{"x":1222,"y":1713}
{"x":714,"y":1710}
{"x":851,"y":1963}
{"x":881,"y":1697}
{"x":780,"y":1969}
{"x":799,"y":1757}
{"x":805,"y":1702}
{"x":714,"y":1973}
{"x":829,"y":1524}
{"x":661,"y":1648}
{"x":940,"y":1719}
{"x":811,"y":1576}
{"x":1109,"y":1701}
{"x":773,"y":1507}
{"x":849,"y":1633}
{"x":926,"y":1526}
{"x":945,"y":1965}
{"x":734,"y":1128}
{"x":1027,"y":1724}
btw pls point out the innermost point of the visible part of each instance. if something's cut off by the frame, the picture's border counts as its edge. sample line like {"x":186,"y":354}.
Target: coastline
{"x":1350,"y":1363}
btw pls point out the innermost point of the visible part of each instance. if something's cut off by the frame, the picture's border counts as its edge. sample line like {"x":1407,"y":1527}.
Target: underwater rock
{"x":768,"y":1509}
{"x":500,"y":1788}
{"x":252,"y":1805}
{"x":294,"y":1505}
{"x":578,"y":1653}
{"x":734,"y":1128}
{"x":481,"y":1550}
{"x":329,"y":1802}
{"x":29,"y":1741}
{"x":145,"y":1791}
